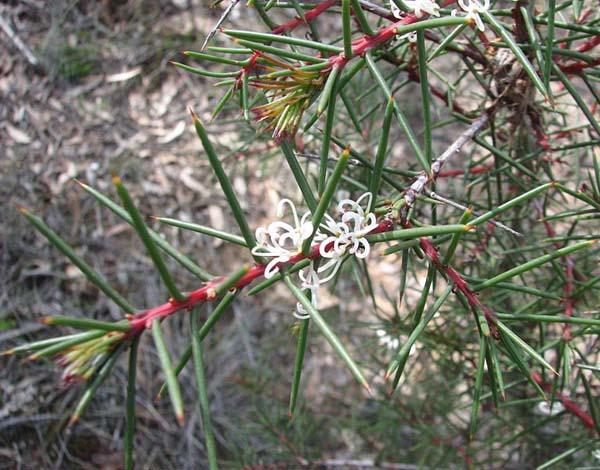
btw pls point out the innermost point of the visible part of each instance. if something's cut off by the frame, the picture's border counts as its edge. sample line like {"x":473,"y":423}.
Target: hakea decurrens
{"x":88,"y":352}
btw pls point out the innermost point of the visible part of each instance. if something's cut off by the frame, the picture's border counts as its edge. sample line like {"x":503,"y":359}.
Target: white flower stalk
{"x":419,"y":7}
{"x":473,"y":8}
{"x":281,"y":240}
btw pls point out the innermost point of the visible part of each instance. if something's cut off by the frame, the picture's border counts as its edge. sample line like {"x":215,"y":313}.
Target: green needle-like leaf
{"x":209,"y":438}
{"x":217,"y":58}
{"x":510,"y":204}
{"x":425,"y":99}
{"x":130,"y":405}
{"x":399,"y":361}
{"x":408,"y":132}
{"x":226,"y":185}
{"x":277,"y":38}
{"x":347,"y":29}
{"x":171,"y":379}
{"x":300,"y":350}
{"x":96,"y":381}
{"x":87,"y":323}
{"x":78,"y":261}
{"x":229,"y":237}
{"x":332,"y":184}
{"x":478,"y":382}
{"x":327,"y":132}
{"x":532,"y":264}
{"x":151,"y":247}
{"x":65,"y":342}
{"x":532,"y":353}
{"x":495,"y":373}
{"x":160,"y":241}
{"x":375,"y":180}
{"x":299,"y":175}
{"x":204,"y":73}
{"x":548,"y":59}
{"x":582,"y":105}
{"x":328,"y":333}
{"x":361,"y":18}
{"x":417,"y":232}
{"x":328,"y":90}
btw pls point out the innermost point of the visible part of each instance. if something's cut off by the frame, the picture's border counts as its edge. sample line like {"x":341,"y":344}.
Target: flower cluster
{"x":280,"y":241}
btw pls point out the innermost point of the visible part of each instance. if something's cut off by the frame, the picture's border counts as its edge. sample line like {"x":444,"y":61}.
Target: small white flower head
{"x":386,"y":340}
{"x":347,"y":235}
{"x":419,"y":7}
{"x":473,"y":8}
{"x":545,"y":409}
{"x":281,"y":240}
{"x":596,"y":454}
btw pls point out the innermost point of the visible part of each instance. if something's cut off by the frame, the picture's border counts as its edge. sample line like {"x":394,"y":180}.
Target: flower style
{"x":280,"y":240}
{"x":420,"y":7}
{"x":473,"y":8}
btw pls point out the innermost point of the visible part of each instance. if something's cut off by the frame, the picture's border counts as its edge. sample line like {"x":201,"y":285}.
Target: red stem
{"x":144,"y":319}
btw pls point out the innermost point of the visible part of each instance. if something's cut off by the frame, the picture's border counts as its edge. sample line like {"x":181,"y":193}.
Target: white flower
{"x":473,"y":8}
{"x":347,"y":236}
{"x":386,"y":340}
{"x":280,"y":240}
{"x":544,"y":408}
{"x":420,"y":7}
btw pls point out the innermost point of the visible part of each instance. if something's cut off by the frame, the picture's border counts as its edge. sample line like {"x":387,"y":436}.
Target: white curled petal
{"x":395,"y":10}
{"x":306,"y":230}
{"x":479,"y":22}
{"x":368,"y":197}
{"x":366,"y":248}
{"x":336,"y":266}
{"x":329,"y":242}
{"x":281,"y":210}
{"x":300,"y":313}
{"x":271,"y":268}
